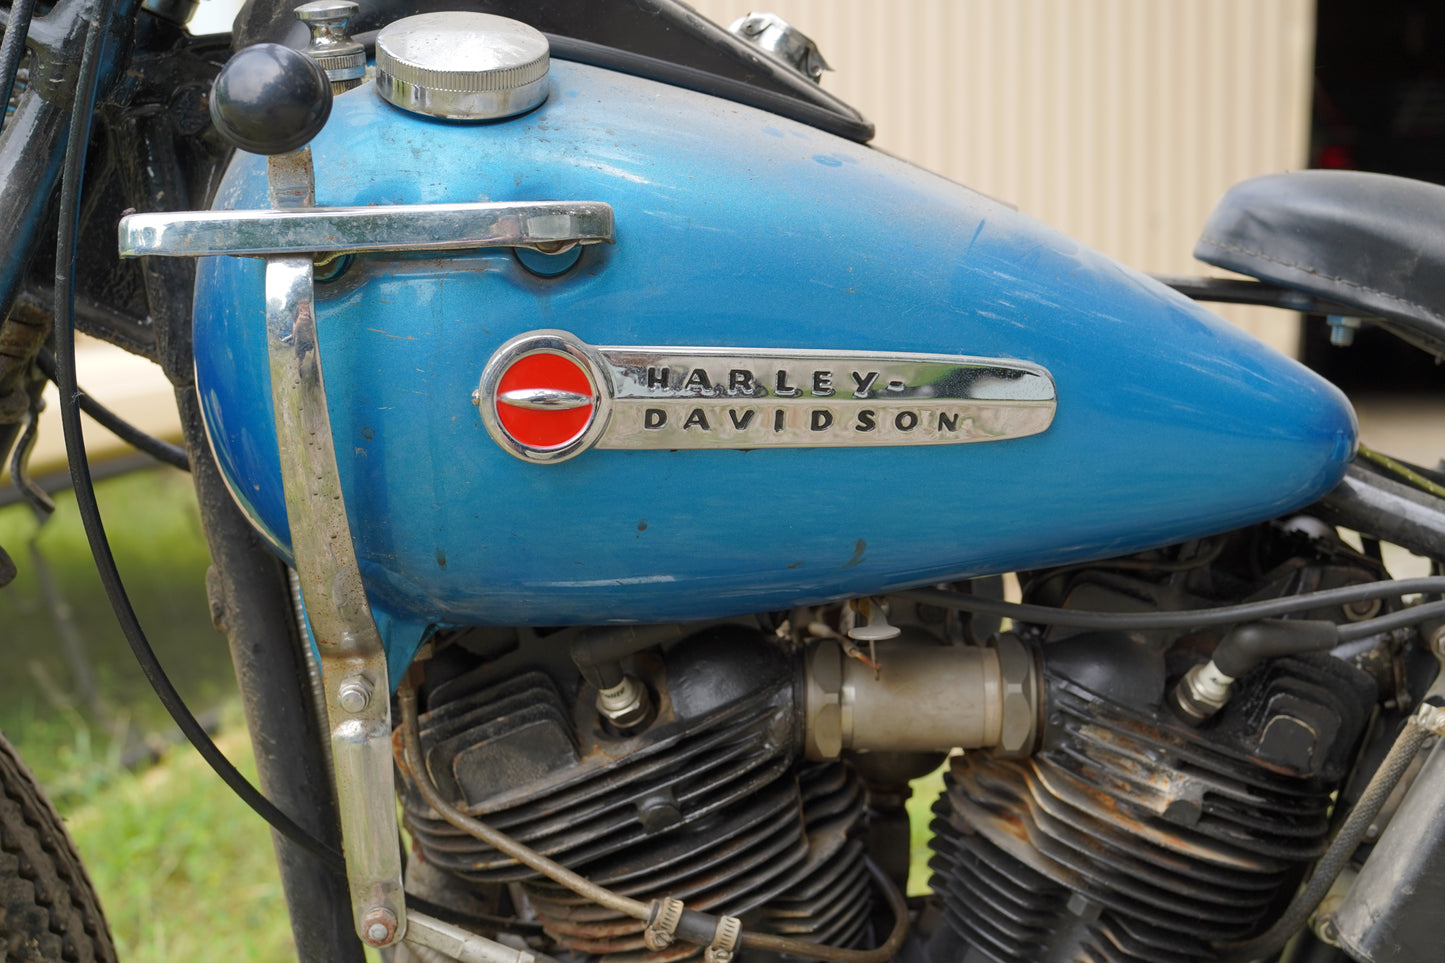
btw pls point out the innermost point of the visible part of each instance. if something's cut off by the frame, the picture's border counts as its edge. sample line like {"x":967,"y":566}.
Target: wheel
{"x":48,"y":909}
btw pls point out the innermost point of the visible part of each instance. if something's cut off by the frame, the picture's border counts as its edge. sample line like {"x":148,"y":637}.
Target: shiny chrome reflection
{"x":353,"y":659}
{"x":703,"y":397}
{"x":547,"y":226}
{"x":544,"y":399}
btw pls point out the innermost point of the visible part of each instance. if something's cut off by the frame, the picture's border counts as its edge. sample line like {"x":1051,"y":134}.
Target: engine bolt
{"x":378,"y":926}
{"x":1363,"y":609}
{"x":354,"y":695}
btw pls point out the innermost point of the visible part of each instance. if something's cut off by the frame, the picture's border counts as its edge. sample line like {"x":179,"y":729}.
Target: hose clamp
{"x":662,"y":923}
{"x":724,"y":940}
{"x":1431,"y":718}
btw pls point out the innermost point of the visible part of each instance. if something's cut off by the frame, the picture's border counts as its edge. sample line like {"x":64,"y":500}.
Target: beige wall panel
{"x":1120,"y":122}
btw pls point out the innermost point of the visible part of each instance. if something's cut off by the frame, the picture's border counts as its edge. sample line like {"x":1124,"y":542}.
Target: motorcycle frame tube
{"x":246,"y":583}
{"x":30,"y":154}
{"x":249,"y":596}
{"x":1387,"y":509}
{"x":1389,"y":911}
{"x":35,"y":137}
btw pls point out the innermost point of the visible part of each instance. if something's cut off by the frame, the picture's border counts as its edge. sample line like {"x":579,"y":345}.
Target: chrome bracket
{"x":353,"y":660}
{"x":290,"y":234}
{"x":458,"y":944}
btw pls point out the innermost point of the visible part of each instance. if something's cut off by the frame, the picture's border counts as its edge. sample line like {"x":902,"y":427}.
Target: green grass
{"x":184,"y":870}
{"x":71,"y":695}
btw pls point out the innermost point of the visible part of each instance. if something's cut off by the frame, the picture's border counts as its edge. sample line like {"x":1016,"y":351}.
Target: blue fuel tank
{"x":738,"y":233}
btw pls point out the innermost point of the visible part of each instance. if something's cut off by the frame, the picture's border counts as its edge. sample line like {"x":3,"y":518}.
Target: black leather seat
{"x":1369,"y":241}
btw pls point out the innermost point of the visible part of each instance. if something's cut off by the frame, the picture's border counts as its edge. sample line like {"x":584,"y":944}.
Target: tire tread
{"x":48,"y":908}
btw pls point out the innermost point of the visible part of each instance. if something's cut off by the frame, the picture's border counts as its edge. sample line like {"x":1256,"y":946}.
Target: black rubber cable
{"x":64,"y":314}
{"x":12,"y":50}
{"x":160,"y":450}
{"x":1196,"y":618}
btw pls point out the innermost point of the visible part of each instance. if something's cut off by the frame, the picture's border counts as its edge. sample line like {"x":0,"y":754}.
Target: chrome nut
{"x":1018,"y":683}
{"x":354,"y":695}
{"x":1431,"y":718}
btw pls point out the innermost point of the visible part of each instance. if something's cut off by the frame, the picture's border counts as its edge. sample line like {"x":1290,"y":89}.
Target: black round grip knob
{"x":269,"y":99}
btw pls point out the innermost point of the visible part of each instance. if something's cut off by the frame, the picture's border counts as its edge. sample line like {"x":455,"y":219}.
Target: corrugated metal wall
{"x":1119,"y":121}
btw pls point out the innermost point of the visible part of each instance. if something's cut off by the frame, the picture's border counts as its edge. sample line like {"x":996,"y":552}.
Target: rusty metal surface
{"x":802,"y":869}
{"x":709,"y":803}
{"x":539,"y":768}
{"x":1126,"y":839}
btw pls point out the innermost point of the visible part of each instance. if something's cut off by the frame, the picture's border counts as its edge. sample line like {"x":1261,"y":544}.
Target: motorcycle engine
{"x":705,"y":800}
{"x":1127,"y":834}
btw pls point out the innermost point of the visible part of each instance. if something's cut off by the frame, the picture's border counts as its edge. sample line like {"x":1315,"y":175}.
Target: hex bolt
{"x":1363,"y":609}
{"x":1342,"y":330}
{"x":378,"y":926}
{"x":354,"y":695}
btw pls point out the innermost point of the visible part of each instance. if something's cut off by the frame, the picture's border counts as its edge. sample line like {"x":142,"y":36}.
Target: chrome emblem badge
{"x":547,"y":396}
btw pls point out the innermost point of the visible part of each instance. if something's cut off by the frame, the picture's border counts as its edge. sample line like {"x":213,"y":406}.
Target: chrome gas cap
{"x":462,"y":65}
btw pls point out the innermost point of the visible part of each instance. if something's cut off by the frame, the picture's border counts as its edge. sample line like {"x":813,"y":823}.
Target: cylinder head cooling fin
{"x":1132,"y":838}
{"x":705,"y":805}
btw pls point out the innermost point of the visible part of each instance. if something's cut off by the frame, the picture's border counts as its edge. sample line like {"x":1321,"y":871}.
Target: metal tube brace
{"x":352,"y":656}
{"x":353,"y":661}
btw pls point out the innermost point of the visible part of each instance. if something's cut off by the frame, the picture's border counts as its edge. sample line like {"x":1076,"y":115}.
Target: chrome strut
{"x":291,"y":235}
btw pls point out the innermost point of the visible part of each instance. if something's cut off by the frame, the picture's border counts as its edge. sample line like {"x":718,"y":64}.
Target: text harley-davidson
{"x":645,"y":509}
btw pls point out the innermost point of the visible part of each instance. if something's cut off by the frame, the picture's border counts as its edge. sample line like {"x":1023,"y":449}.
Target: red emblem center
{"x":545,"y":400}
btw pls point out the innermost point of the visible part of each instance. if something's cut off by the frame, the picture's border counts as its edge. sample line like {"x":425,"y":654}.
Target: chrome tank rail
{"x":546,"y":226}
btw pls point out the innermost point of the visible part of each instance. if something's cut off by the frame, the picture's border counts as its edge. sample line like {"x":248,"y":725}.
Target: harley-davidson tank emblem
{"x":547,"y":396}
